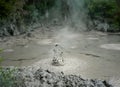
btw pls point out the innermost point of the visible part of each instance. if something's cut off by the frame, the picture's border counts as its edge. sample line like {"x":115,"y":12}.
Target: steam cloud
{"x":71,"y":12}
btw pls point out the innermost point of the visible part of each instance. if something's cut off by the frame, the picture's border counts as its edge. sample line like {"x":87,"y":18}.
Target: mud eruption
{"x":58,"y":56}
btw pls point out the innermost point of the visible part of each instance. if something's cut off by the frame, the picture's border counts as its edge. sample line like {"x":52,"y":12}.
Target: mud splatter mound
{"x":31,"y":77}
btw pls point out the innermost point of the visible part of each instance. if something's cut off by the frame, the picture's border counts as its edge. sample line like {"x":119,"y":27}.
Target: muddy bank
{"x":32,"y":77}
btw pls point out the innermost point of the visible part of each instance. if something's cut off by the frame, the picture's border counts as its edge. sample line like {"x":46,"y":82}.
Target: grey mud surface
{"x":85,"y":53}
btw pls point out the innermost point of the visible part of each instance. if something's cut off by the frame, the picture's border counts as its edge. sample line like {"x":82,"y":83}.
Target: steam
{"x":78,"y":13}
{"x":71,"y":13}
{"x":66,"y":38}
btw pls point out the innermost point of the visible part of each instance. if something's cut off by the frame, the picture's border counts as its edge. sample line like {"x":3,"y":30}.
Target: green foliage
{"x":6,"y":78}
{"x":1,"y":50}
{"x":26,"y":12}
{"x":44,"y":5}
{"x":36,"y":9}
{"x":1,"y":59}
{"x":32,"y":13}
{"x":6,"y":8}
{"x":106,"y":10}
{"x":9,"y":77}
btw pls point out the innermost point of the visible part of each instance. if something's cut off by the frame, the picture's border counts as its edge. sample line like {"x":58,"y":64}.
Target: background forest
{"x":16,"y":16}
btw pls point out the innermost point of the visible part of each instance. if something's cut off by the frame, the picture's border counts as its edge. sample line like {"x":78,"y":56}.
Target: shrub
{"x":11,"y":77}
{"x":106,"y":10}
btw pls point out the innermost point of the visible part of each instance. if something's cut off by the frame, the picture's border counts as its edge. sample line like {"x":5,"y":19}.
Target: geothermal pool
{"x":89,"y":54}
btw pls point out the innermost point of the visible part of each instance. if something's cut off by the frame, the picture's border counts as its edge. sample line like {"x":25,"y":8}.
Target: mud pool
{"x":89,"y":54}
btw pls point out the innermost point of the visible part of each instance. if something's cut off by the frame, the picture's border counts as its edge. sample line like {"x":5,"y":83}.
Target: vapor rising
{"x":70,"y":12}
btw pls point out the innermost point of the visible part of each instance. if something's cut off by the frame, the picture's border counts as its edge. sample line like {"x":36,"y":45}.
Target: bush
{"x":11,"y":77}
{"x":6,"y":78}
{"x":106,"y":10}
{"x":6,"y":8}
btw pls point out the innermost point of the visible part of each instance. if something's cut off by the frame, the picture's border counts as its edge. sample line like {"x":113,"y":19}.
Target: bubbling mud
{"x":58,"y":59}
{"x":71,"y":64}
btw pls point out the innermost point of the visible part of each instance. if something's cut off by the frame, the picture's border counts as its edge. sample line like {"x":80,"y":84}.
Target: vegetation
{"x":0,"y":56}
{"x":15,"y":15}
{"x":36,"y":9}
{"x":105,"y":10}
{"x":8,"y":76}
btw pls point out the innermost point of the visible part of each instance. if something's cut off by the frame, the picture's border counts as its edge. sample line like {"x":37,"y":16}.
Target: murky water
{"x":91,"y":55}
